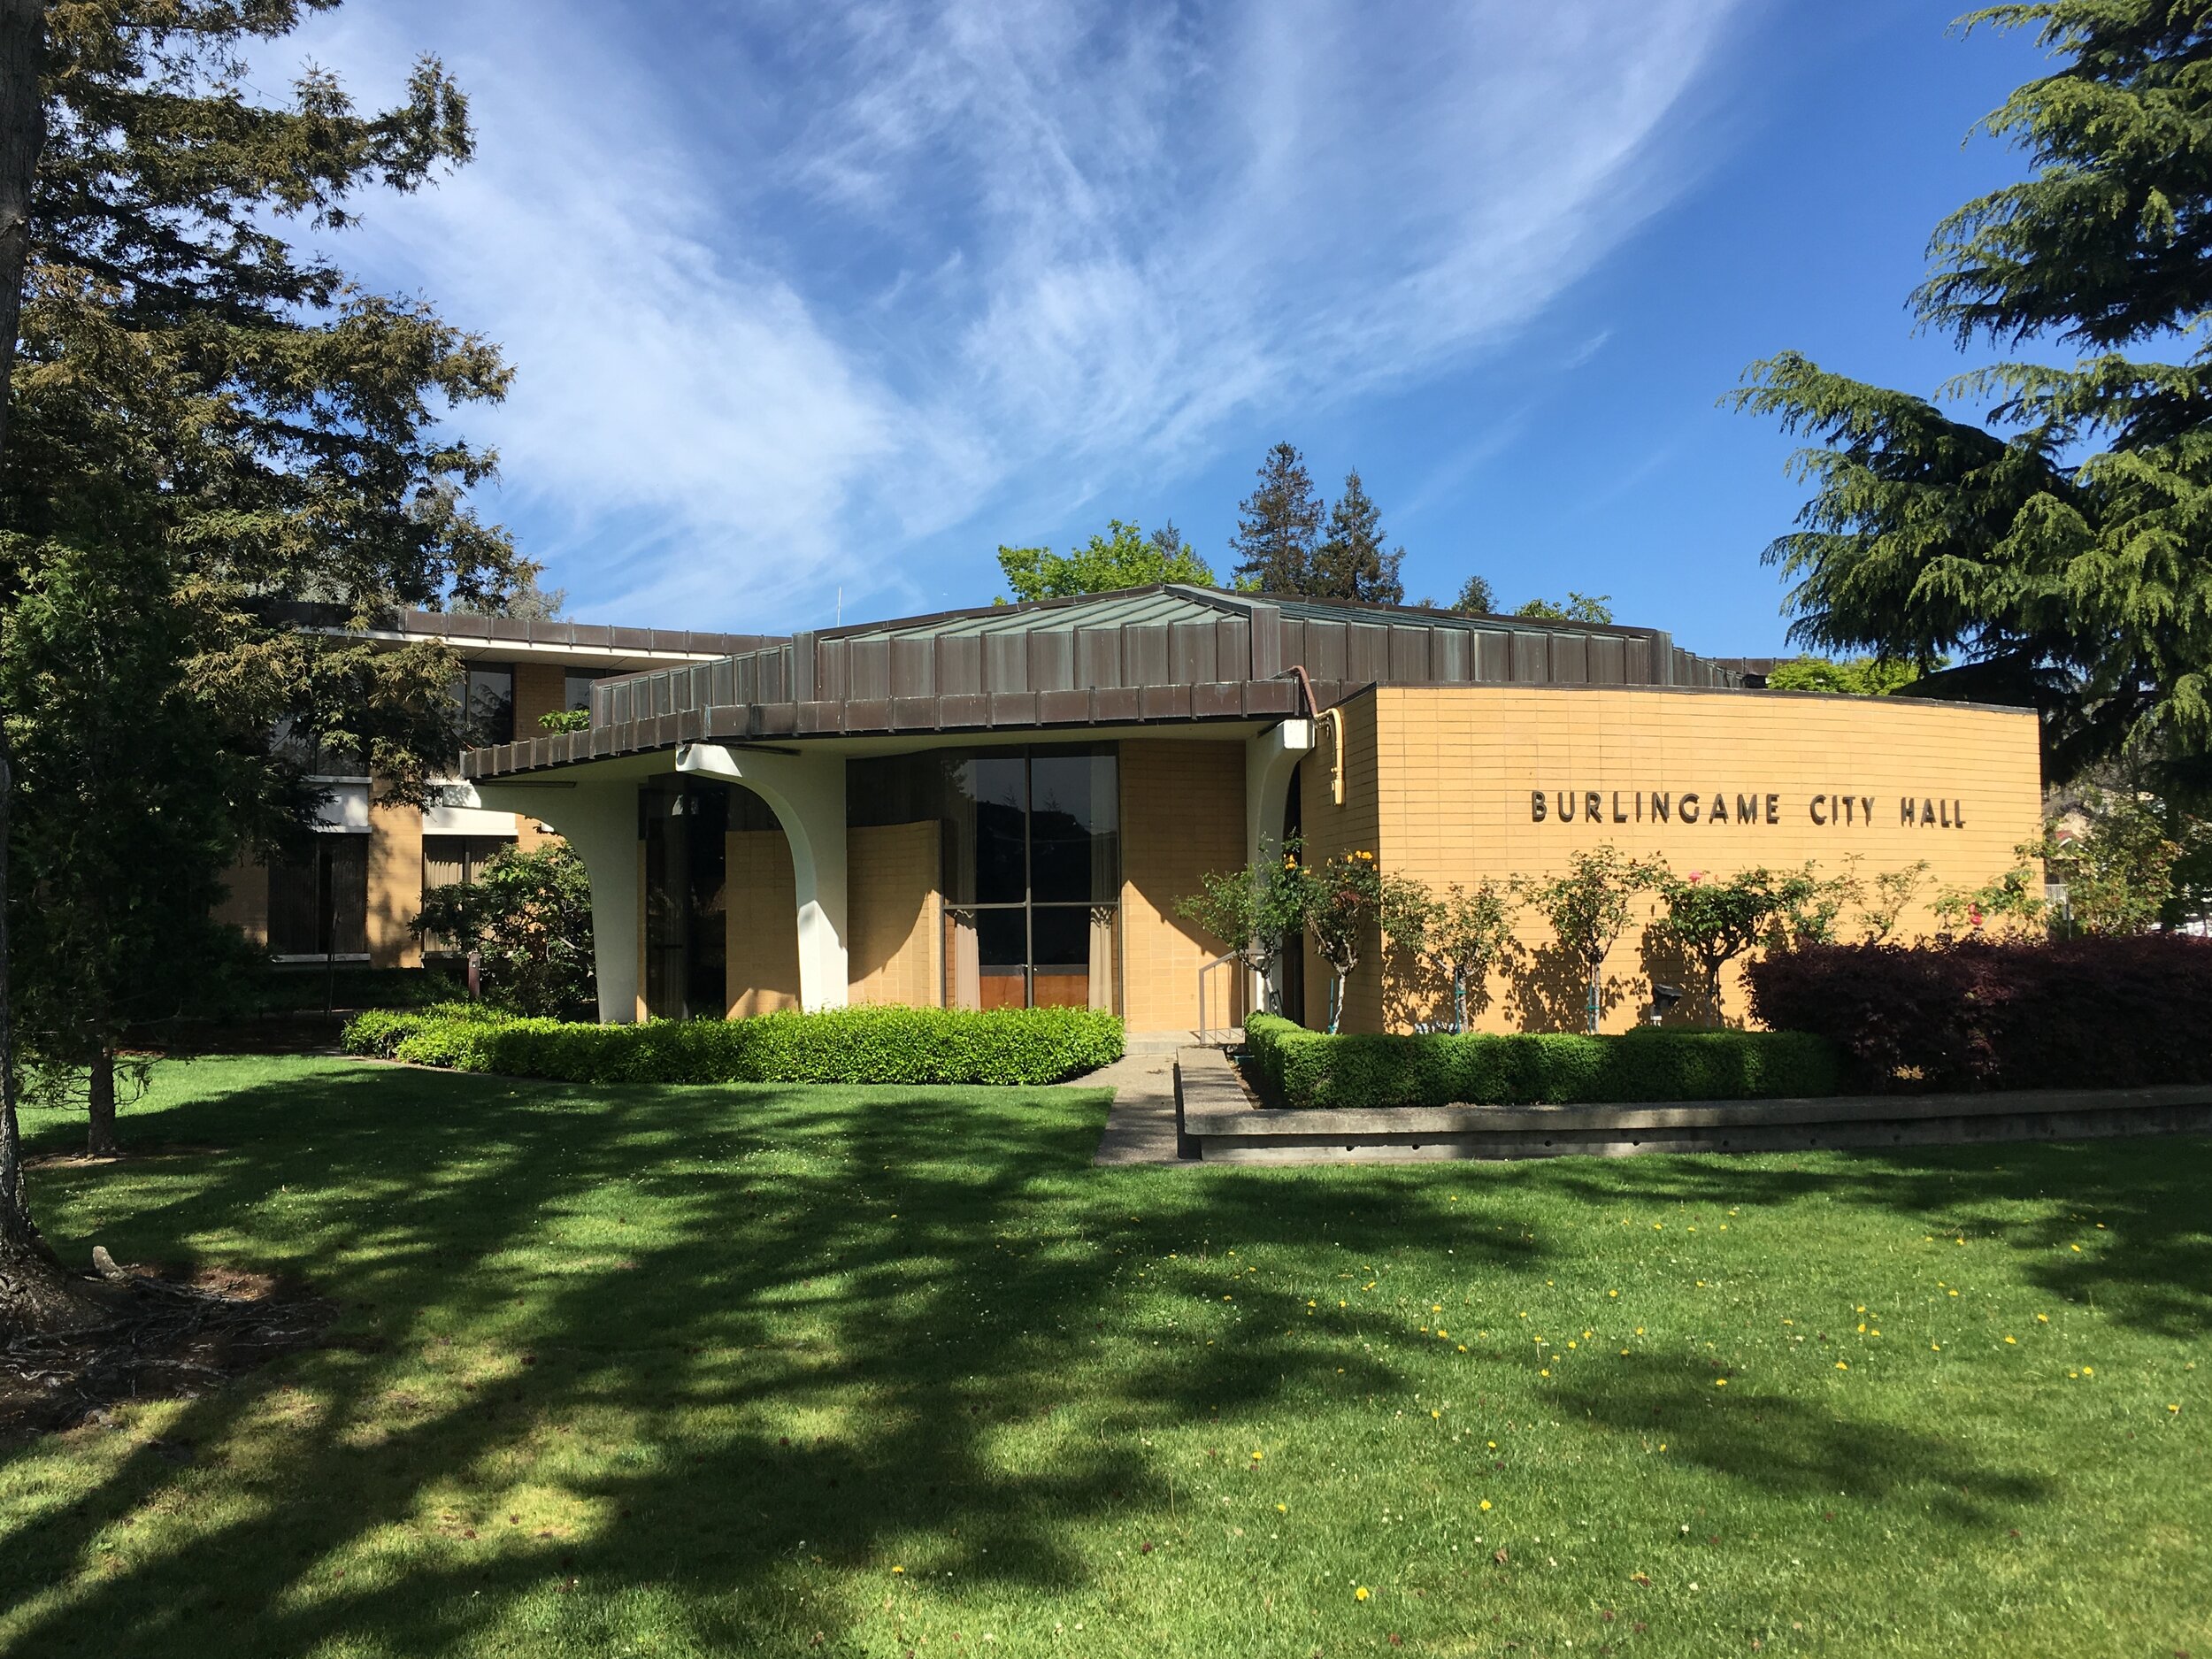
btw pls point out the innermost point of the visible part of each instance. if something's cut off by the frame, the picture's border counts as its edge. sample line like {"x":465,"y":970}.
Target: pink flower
{"x":1973,"y":916}
{"x":1696,"y":876}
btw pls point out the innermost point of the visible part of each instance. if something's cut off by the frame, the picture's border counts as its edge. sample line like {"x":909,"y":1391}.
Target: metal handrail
{"x":1205,"y":1032}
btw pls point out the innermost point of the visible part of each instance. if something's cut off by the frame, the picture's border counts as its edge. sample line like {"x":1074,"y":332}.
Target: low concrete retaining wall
{"x":1222,"y":1123}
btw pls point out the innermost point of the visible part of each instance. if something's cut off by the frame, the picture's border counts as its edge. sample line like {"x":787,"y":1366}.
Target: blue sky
{"x":806,"y":298}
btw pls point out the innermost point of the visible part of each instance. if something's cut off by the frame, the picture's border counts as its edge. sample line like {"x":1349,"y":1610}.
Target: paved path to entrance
{"x":1141,"y":1128}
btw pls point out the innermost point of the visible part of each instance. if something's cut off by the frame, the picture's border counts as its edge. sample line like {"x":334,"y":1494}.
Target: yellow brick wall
{"x":1330,"y":831}
{"x":1453,"y":772}
{"x":762,"y":896}
{"x":395,"y":883}
{"x":894,"y":953}
{"x":1182,"y":814}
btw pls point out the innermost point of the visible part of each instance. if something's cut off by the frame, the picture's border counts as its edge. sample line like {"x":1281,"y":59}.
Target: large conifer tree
{"x":2060,"y":550}
{"x":1279,"y":526}
{"x":1350,"y":563}
{"x":206,"y":422}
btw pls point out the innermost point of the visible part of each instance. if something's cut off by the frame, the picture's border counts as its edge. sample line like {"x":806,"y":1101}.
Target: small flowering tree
{"x":1893,"y":892}
{"x":1457,"y":935}
{"x":1717,"y":918}
{"x":2011,"y":904}
{"x":1342,"y":899}
{"x":1589,"y":908}
{"x":1253,"y":910}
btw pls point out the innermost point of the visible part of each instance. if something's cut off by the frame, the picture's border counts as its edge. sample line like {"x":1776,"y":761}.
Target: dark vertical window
{"x":685,"y":824}
{"x":319,"y":900}
{"x":1292,"y":958}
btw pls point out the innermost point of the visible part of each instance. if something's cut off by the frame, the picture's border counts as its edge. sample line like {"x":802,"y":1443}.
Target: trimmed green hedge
{"x":1304,"y":1068}
{"x":851,"y":1044}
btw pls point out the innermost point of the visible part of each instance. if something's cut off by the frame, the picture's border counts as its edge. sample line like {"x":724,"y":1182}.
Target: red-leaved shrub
{"x":1978,"y":1014}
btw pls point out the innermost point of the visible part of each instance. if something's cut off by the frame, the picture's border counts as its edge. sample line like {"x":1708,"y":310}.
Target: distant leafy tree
{"x":2062,"y":547}
{"x":1350,"y":562}
{"x":1854,"y":676}
{"x":1477,"y":598}
{"x":1579,"y":608}
{"x":1279,"y":526}
{"x":2118,"y":856}
{"x":527,"y":918}
{"x":1125,"y":557}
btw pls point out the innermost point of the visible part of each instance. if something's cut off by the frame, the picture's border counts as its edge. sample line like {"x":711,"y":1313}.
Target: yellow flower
{"x":1493,"y":1445}
{"x":1360,"y":1595}
{"x":1543,"y":1373}
{"x":2042,"y":1318}
{"x":1842,"y":1365}
{"x":1436,"y":1414}
{"x":1255,"y":1457}
{"x":2089,"y":1370}
{"x":1935,"y":1348}
{"x":2074,"y":1246}
{"x":1612,"y":1292}
{"x":2013,"y":1340}
{"x":2173,"y":1408}
{"x":1720,"y":1382}
{"x":1486,"y":1502}
{"x":898,"y":1570}
{"x":1861,"y":1328}
{"x":1282,"y":1509}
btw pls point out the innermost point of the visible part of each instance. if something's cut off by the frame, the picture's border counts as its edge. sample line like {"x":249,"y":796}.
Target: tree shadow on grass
{"x":1789,"y":1447}
{"x":821,"y":1325}
{"x":2149,"y":1264}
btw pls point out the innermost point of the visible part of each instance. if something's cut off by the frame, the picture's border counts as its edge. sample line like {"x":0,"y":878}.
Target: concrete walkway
{"x":1141,"y":1127}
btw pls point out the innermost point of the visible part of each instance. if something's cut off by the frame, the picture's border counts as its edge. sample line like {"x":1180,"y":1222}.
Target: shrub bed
{"x":1302,"y":1068}
{"x":852,"y":1045}
{"x":1977,"y":1014}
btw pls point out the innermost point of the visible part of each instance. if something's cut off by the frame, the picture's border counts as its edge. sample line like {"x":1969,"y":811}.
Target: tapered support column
{"x":807,"y":793}
{"x":599,"y":821}
{"x":1269,"y":761}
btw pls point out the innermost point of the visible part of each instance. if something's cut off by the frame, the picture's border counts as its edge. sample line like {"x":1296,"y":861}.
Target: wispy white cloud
{"x":787,"y":300}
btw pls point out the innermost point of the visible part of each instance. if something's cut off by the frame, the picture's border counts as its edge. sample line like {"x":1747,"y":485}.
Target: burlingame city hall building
{"x":1003,"y":807}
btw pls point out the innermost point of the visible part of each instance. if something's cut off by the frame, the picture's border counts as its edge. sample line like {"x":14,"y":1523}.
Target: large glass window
{"x":319,"y":900}
{"x":576,"y":689}
{"x":1032,"y":874}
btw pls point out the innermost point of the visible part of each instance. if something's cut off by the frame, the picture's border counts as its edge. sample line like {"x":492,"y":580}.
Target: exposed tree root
{"x":147,"y":1336}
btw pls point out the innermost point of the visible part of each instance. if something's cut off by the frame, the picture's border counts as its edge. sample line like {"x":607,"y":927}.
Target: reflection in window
{"x":451,"y":860}
{"x":1031,"y":876}
{"x":486,"y":691}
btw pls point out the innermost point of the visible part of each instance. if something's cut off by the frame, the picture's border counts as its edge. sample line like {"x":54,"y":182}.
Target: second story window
{"x":486,"y":691}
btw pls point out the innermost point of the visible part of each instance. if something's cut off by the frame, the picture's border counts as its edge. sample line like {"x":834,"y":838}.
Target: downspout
{"x":1335,"y":717}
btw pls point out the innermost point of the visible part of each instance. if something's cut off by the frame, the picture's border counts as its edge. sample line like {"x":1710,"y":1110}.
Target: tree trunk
{"x":100,"y":1089}
{"x":36,"y":1293}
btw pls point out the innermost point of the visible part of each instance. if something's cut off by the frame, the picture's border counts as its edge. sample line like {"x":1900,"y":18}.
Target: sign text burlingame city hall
{"x":1721,"y":806}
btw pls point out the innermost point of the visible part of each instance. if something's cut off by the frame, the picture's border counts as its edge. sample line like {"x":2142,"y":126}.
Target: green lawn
{"x":811,"y":1371}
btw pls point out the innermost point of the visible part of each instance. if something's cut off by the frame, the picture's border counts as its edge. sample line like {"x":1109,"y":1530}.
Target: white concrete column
{"x":1269,"y":760}
{"x":807,"y":793}
{"x":598,"y":820}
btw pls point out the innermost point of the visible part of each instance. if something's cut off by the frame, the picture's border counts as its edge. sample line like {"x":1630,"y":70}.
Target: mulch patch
{"x":182,"y":1333}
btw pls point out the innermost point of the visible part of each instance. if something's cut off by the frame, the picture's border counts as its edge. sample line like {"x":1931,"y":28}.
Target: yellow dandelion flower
{"x":1543,"y":1373}
{"x":898,"y":1570}
{"x":1720,"y":1382}
{"x":1861,"y":1328}
{"x":2014,"y":1342}
{"x":1282,"y":1509}
{"x":1255,"y":1457}
{"x":2089,"y":1370}
{"x":2173,"y":1408}
{"x":1360,"y":1595}
{"x":1843,"y":1365}
{"x":1485,"y":1503}
{"x":1612,"y":1292}
{"x":1436,"y":1414}
{"x":2042,"y":1318}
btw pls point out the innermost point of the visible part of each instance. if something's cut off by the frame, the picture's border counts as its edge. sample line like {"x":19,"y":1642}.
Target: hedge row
{"x":1304,"y":1068}
{"x":2072,"y":1013}
{"x":852,"y":1045}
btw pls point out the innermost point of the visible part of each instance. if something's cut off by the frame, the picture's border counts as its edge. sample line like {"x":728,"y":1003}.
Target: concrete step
{"x":1168,"y":1042}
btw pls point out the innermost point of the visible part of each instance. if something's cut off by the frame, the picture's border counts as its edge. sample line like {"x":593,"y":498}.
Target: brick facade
{"x":1182,"y":814}
{"x":892,"y":878}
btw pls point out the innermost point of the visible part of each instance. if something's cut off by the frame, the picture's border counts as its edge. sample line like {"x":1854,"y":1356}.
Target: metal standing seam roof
{"x":1164,"y":654}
